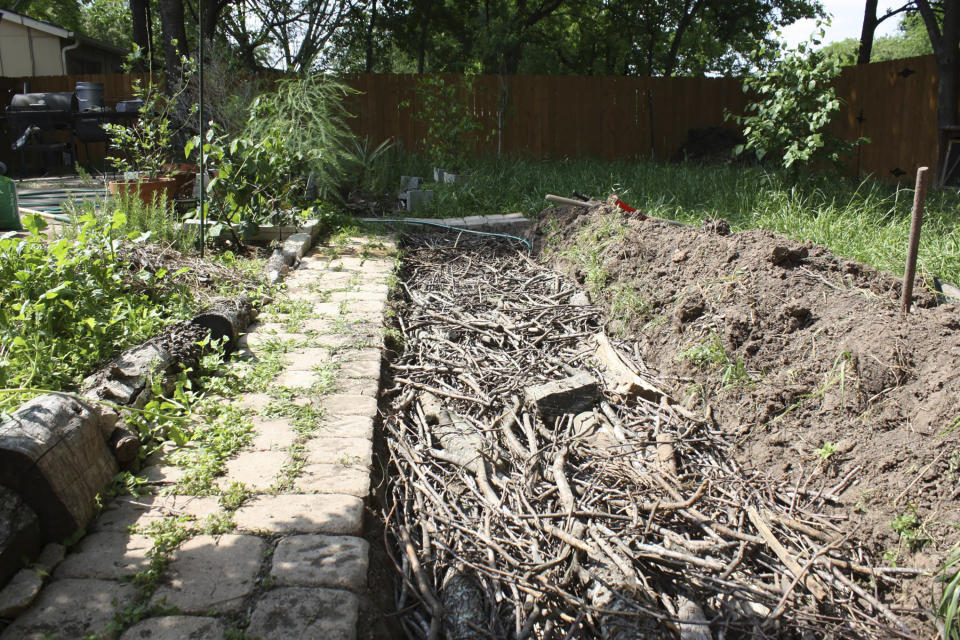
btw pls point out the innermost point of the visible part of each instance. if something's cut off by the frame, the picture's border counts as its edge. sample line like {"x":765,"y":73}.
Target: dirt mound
{"x":802,"y":357}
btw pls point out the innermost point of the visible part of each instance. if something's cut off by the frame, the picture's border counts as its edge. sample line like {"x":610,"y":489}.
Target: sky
{"x":847,"y":20}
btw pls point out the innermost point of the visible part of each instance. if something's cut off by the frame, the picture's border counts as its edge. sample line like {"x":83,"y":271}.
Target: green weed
{"x":948,"y":576}
{"x":711,"y":354}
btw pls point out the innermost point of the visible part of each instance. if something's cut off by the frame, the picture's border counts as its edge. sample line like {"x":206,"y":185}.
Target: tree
{"x":945,"y":37}
{"x":63,"y":13}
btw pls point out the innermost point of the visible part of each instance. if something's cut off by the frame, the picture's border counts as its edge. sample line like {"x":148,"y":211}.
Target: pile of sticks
{"x":624,"y":519}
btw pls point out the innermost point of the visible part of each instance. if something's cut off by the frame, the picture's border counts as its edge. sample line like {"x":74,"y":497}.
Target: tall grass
{"x":867,"y":220}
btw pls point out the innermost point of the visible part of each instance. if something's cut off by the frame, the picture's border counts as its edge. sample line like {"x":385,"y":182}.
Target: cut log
{"x":126,"y":377}
{"x":124,"y":444}
{"x":621,"y":379}
{"x":53,"y":455}
{"x":571,"y":395}
{"x":294,"y":247}
{"x":226,"y":319}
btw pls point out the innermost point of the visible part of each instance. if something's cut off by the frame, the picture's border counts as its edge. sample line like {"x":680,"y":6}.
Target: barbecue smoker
{"x":43,"y":123}
{"x":52,"y":124}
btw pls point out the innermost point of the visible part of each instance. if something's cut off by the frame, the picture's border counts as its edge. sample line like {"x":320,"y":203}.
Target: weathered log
{"x":125,"y":378}
{"x":53,"y":455}
{"x":463,"y":607}
{"x":226,"y":319}
{"x":294,"y":247}
{"x":276,"y":267}
{"x":621,"y":379}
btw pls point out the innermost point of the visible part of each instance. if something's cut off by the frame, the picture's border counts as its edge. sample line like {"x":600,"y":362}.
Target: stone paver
{"x":321,"y":561}
{"x":295,"y":513}
{"x":350,"y":405}
{"x":305,"y":614}
{"x":107,"y":555}
{"x":307,"y":358}
{"x":125,"y":512}
{"x":334,"y":478}
{"x":347,"y":427}
{"x":272,"y":435}
{"x":19,"y":592}
{"x":256,"y":470}
{"x":212,"y":573}
{"x":176,"y":628}
{"x":71,"y":609}
{"x":347,"y":452}
{"x":369,"y":387}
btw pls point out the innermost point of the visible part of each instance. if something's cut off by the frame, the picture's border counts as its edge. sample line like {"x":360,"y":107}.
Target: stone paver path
{"x":285,"y":560}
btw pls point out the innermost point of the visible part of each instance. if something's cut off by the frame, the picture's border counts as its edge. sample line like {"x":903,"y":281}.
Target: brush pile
{"x":543,"y":486}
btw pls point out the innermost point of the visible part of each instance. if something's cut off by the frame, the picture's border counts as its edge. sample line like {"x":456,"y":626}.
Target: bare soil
{"x":838,"y":394}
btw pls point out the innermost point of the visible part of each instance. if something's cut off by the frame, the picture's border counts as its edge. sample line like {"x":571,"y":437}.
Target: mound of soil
{"x":803,"y":359}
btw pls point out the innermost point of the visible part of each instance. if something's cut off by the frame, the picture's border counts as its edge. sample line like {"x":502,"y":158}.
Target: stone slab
{"x":327,"y":309}
{"x":176,"y":628}
{"x":377,"y":295}
{"x":296,"y":379}
{"x":258,"y":340}
{"x":162,"y":474}
{"x":107,"y":555}
{"x":19,"y":593}
{"x":257,"y":470}
{"x":212,"y":573}
{"x":334,"y":478}
{"x":321,"y":561}
{"x":272,"y":435}
{"x":347,"y":427}
{"x":349,"y":405}
{"x":71,"y":609}
{"x":254,"y":402}
{"x":299,"y":513}
{"x":307,"y":358}
{"x":361,"y":368}
{"x":125,"y":512}
{"x":368,"y":387}
{"x":306,"y":614}
{"x":346,"y":452}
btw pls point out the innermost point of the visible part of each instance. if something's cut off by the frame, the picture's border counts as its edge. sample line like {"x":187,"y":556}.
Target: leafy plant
{"x":826,"y":451}
{"x":71,"y":303}
{"x":948,"y":576}
{"x":910,"y":529}
{"x":712,"y":354}
{"x":148,"y":144}
{"x":794,"y":105}
{"x":453,"y":127}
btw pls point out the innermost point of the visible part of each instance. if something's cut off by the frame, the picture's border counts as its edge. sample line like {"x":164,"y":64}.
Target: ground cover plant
{"x":867,"y":220}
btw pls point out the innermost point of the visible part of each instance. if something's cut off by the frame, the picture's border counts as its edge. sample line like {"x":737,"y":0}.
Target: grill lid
{"x":54,"y":101}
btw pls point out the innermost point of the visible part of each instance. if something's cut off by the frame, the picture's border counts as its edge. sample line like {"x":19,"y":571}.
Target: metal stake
{"x":203,"y":173}
{"x":919,"y":195}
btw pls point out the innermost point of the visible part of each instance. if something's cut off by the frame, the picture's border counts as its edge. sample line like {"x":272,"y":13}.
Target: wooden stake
{"x":919,"y":194}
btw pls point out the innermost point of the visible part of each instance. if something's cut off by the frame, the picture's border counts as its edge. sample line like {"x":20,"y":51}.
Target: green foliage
{"x":148,"y":144}
{"x":787,"y":121}
{"x":294,"y":150}
{"x":71,"y":303}
{"x":826,"y":451}
{"x":910,"y":529}
{"x":453,"y":126}
{"x":711,"y":354}
{"x":948,"y":576}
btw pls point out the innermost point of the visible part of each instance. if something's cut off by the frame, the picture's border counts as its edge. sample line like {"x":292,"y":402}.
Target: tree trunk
{"x":688,"y":12}
{"x":866,"y":34}
{"x":139,"y":12}
{"x":174,"y":36}
{"x":368,"y":67}
{"x":945,"y":46}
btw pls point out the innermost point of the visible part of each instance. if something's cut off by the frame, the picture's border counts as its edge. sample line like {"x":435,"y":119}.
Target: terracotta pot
{"x":184,"y":175}
{"x":147,"y":189}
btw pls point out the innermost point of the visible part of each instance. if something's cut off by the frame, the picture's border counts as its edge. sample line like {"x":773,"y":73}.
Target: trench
{"x":595,"y":507}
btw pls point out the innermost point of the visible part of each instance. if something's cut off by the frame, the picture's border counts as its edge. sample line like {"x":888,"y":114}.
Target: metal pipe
{"x":919,"y":195}
{"x":203,"y":173}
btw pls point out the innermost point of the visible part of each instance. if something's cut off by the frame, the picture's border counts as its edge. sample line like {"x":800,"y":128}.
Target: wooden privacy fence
{"x":892,"y":103}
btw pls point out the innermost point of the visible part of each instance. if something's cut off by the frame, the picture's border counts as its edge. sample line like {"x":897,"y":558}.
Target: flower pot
{"x":147,"y":189}
{"x":184,"y":175}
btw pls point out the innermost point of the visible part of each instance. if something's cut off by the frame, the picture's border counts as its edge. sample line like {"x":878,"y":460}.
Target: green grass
{"x":865,"y":220}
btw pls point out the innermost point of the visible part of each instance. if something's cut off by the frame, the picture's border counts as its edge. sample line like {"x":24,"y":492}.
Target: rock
{"x":19,"y":533}
{"x":20,"y":593}
{"x":312,"y":513}
{"x":53,"y":455}
{"x":176,"y":628}
{"x":52,"y":555}
{"x":580,"y":299}
{"x":570,"y":395}
{"x":718,"y":226}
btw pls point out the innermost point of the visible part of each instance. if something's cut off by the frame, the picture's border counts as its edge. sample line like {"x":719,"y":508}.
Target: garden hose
{"x":428,"y":223}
